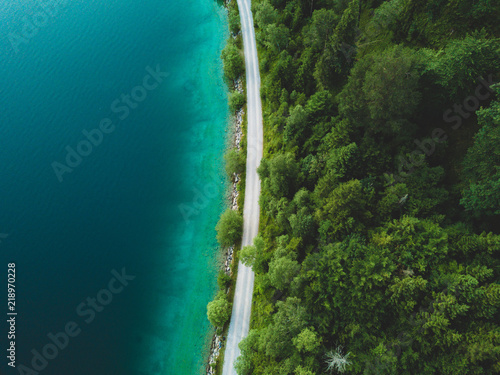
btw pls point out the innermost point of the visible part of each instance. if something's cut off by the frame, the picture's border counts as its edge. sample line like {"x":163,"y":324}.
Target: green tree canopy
{"x":481,"y":170}
{"x":463,"y":62}
{"x":219,"y":310}
{"x":229,"y":228}
{"x":234,"y":66}
{"x":280,"y":174}
{"x":235,"y":162}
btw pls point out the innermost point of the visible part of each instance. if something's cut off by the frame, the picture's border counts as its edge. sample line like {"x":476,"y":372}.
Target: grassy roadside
{"x":232,"y":71}
{"x":234,"y":268}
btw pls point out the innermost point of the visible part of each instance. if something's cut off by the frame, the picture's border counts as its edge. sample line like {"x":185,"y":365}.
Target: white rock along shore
{"x":217,"y":340}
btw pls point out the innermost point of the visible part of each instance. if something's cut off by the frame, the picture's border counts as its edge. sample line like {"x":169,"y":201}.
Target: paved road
{"x":242,"y":305}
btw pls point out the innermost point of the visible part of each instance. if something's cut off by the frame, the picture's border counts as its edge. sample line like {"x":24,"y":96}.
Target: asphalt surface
{"x":242,"y":304}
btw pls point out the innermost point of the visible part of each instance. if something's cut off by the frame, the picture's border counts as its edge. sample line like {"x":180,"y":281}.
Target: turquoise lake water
{"x":142,"y":193}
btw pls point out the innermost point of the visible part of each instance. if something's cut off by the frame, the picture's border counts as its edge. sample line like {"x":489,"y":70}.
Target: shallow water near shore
{"x":144,"y":198}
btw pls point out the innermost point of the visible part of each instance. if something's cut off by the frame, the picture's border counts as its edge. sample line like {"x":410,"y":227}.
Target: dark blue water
{"x":144,"y":196}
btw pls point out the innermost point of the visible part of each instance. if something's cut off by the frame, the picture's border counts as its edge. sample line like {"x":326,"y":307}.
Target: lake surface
{"x":113,"y":125}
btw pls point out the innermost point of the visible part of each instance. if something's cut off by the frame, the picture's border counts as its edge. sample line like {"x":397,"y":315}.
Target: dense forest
{"x":379,"y":246}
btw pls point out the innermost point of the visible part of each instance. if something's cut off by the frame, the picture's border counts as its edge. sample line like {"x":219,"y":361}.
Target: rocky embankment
{"x":217,"y":340}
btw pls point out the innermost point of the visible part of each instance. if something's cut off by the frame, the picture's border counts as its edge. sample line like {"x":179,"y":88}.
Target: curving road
{"x":242,"y":304}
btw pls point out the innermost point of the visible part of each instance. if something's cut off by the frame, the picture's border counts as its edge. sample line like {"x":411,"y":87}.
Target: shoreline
{"x":236,"y":126}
